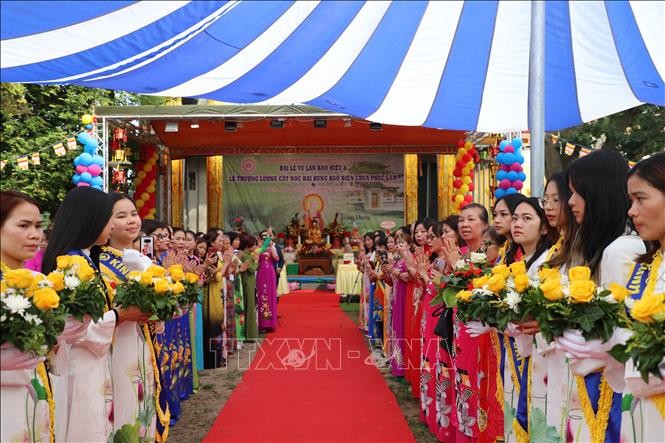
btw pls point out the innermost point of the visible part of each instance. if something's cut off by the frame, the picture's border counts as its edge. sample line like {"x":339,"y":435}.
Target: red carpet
{"x":309,"y":382}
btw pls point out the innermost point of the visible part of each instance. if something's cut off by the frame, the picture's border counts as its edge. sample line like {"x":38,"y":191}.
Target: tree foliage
{"x":35,"y":117}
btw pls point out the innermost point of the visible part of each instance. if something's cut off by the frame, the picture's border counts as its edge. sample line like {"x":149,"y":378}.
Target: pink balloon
{"x":80,"y":169}
{"x":516,"y":167}
{"x":94,"y":170}
{"x":505,"y":184}
{"x":509,"y":148}
{"x":505,"y":168}
{"x":83,"y":184}
{"x":517,"y":184}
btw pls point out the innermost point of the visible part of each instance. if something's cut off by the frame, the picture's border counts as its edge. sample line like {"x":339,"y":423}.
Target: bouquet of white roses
{"x":30,"y":312}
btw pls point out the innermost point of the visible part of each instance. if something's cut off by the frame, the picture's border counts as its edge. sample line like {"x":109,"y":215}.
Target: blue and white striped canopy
{"x":444,"y":64}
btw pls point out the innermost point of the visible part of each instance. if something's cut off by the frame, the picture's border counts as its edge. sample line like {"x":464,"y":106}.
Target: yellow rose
{"x":161,"y":285}
{"x":145,"y":278}
{"x":64,"y":262}
{"x":79,"y":260}
{"x":177,"y":288}
{"x":480,"y":281}
{"x":582,"y":291}
{"x":552,"y":289}
{"x":521,"y":282}
{"x":19,"y":278}
{"x":157,"y":271}
{"x":501,"y":270}
{"x":518,"y":268}
{"x":134,"y":275}
{"x":192,"y":278}
{"x":579,"y":273}
{"x":464,"y":295}
{"x":546,"y":273}
{"x":85,"y":272}
{"x":619,"y":292}
{"x":57,"y":280}
{"x":3,"y":286}
{"x":496,"y":283}
{"x":647,"y":308}
{"x":176,"y":272}
{"x":46,"y":299}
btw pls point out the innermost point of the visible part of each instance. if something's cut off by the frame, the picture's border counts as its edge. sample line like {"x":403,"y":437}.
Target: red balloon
{"x":470,"y":185}
{"x":463,"y":204}
{"x":460,"y":144}
{"x":505,"y":184}
{"x":460,"y":164}
{"x":457,"y":173}
{"x":467,"y":157}
{"x":457,"y":183}
{"x":471,"y":174}
{"x":517,"y":184}
{"x":468,"y":198}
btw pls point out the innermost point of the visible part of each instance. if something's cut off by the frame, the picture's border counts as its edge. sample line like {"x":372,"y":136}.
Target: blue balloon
{"x":85,"y":159}
{"x":90,"y":149}
{"x":88,"y":126}
{"x":86,"y":177}
{"x":511,"y":190}
{"x":517,"y":142}
{"x":508,"y":158}
{"x":499,"y":158}
{"x":98,"y":160}
{"x":84,"y":138}
{"x":512,"y":176}
{"x":519,"y":159}
{"x":499,"y":193}
{"x":97,"y":181}
{"x":98,"y":187}
{"x":77,"y":161}
{"x":503,"y":145}
{"x":501,"y":174}
{"x":521,"y":176}
{"x":76,"y":179}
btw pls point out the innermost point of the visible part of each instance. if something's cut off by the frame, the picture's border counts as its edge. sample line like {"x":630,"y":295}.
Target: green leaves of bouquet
{"x":152,"y":292}
{"x":80,"y":288}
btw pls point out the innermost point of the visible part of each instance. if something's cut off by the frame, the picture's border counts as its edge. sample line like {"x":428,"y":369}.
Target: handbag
{"x":444,"y":327}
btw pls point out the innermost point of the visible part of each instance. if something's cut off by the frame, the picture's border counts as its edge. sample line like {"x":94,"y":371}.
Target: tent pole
{"x":105,"y":153}
{"x":537,"y":97}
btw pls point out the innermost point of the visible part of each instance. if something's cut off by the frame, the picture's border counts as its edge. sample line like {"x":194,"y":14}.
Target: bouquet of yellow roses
{"x":152,"y":291}
{"x":647,"y":344}
{"x":81,"y":290}
{"x":30,"y":312}
{"x":579,"y":305}
{"x":191,"y":293}
{"x":460,"y":279}
{"x":495,"y":297}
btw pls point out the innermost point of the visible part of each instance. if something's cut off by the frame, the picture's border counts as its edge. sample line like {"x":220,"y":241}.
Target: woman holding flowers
{"x":646,"y":369}
{"x":604,"y":244}
{"x":133,"y":357}
{"x":83,"y":389}
{"x":25,"y":416}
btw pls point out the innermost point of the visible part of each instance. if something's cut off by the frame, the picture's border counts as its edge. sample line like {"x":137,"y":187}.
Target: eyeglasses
{"x":551,"y":202}
{"x":161,"y":236}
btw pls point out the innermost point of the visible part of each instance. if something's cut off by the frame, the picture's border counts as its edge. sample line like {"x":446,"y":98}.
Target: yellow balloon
{"x":141,"y":175}
{"x":466,"y":180}
{"x":86,"y":119}
{"x":468,"y":145}
{"x":139,"y":203}
{"x":147,"y":167}
{"x":145,"y":196}
{"x":461,"y":152}
{"x":151,"y":189}
{"x":459,"y":198}
{"x":464,"y":189}
{"x":466,"y":170}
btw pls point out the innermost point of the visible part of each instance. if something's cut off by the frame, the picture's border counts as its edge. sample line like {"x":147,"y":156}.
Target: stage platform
{"x":312,"y":278}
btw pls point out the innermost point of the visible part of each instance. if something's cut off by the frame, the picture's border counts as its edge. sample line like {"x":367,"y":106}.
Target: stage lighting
{"x":194,"y":125}
{"x":230,"y":126}
{"x":320,"y":123}
{"x":276,"y":123}
{"x":171,"y":127}
{"x":373,"y":126}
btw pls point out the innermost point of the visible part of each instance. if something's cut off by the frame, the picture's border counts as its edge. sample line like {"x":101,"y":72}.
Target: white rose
{"x":72,"y":282}
{"x":478,"y":258}
{"x":513,"y":299}
{"x":460,"y":264}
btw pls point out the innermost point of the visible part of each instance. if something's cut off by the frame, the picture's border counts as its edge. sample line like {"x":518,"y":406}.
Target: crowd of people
{"x":475,"y":383}
{"x":124,"y":376}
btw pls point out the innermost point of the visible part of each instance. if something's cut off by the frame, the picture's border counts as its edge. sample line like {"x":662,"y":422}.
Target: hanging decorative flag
{"x":569,"y":149}
{"x":2,"y":164}
{"x":584,"y":151}
{"x":555,"y":139}
{"x":23,"y":163}
{"x":35,"y":158}
{"x":71,"y":143}
{"x":59,"y":149}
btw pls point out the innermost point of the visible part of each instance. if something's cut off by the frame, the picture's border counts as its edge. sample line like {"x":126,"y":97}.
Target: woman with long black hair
{"x":83,"y":390}
{"x":503,"y":211}
{"x":605,"y":243}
